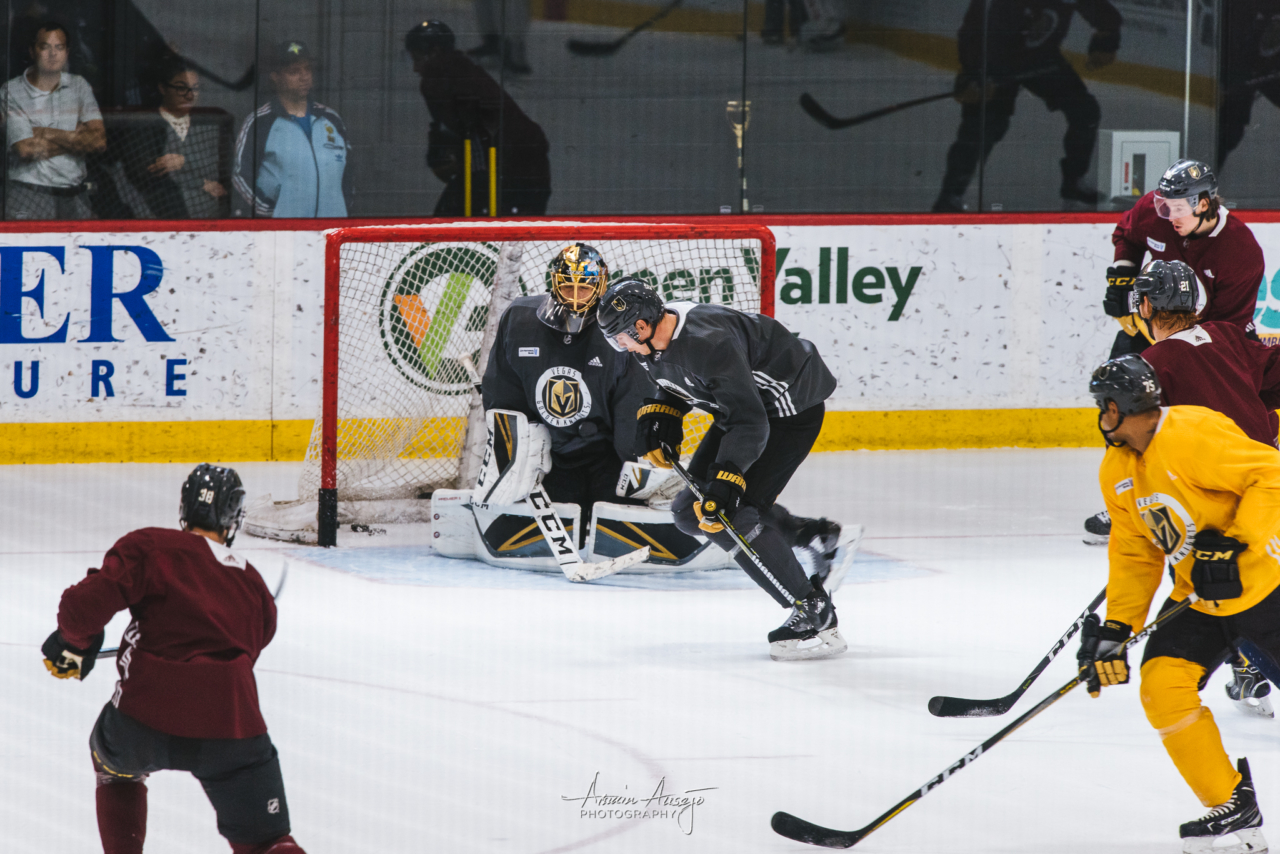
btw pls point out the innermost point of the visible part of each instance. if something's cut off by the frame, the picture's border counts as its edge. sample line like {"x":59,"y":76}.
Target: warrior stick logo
{"x":432,"y":313}
{"x":562,"y":397}
{"x":1169,"y":525}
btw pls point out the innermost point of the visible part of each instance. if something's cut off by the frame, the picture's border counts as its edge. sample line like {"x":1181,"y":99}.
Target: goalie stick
{"x":800,"y":830}
{"x":585,"y":48}
{"x":564,"y":548}
{"x":956,"y":707}
{"x":284,"y":574}
{"x":673,"y":457}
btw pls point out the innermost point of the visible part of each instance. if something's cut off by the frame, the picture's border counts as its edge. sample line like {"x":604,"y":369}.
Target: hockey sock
{"x":1187,"y":728}
{"x":122,"y":816}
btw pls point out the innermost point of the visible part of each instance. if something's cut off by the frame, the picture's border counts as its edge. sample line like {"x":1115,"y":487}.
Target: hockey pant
{"x":1061,"y":89}
{"x":240,"y":776}
{"x":768,"y":528}
{"x":1176,"y":665}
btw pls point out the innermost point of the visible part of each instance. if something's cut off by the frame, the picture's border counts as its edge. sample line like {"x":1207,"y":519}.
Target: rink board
{"x":942,"y":332}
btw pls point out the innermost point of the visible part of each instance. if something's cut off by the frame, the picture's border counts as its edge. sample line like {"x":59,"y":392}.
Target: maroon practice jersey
{"x":201,"y":615}
{"x":1216,"y":366}
{"x":1228,"y":261}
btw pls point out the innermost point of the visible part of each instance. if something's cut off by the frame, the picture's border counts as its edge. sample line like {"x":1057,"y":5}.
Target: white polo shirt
{"x":26,"y":107}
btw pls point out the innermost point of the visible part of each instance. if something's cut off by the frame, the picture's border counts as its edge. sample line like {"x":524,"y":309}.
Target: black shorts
{"x":790,"y":440}
{"x":240,"y":776}
{"x":1209,"y":641}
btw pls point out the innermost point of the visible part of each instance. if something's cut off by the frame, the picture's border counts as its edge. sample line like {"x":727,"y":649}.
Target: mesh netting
{"x":413,"y":321}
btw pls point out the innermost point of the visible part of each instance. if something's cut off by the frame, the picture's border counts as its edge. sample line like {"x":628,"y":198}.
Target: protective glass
{"x":1172,"y":208}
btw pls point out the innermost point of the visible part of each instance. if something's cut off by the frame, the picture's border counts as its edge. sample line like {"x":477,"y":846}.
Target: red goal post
{"x":472,"y":272}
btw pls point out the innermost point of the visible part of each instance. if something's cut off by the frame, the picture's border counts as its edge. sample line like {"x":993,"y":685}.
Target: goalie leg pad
{"x":619,"y":529}
{"x":517,"y":456}
{"x":499,"y":535}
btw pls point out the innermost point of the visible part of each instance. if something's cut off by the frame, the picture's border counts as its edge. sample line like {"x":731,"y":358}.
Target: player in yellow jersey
{"x":1187,"y":489}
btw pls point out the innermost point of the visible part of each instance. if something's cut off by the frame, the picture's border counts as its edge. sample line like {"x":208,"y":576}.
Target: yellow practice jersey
{"x":1200,"y":472}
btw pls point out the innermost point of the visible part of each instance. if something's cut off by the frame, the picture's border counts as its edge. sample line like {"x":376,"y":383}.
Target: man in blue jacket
{"x":291,"y":154}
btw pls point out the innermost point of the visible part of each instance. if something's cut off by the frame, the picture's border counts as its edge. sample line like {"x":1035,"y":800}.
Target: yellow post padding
{"x":1172,"y":703}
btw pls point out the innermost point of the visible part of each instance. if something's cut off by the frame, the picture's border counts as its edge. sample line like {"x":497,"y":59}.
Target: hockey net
{"x":410,"y":315}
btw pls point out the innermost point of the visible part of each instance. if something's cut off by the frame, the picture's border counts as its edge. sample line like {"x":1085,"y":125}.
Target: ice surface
{"x":424,"y":705}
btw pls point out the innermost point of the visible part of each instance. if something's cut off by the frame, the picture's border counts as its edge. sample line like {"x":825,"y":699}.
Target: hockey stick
{"x":583,"y":48}
{"x":564,"y":548}
{"x":284,"y":574}
{"x":956,"y":707}
{"x":800,"y":830}
{"x":814,"y":109}
{"x":673,"y":457}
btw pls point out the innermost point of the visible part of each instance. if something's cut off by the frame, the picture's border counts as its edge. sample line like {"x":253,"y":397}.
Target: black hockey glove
{"x":723,"y":495}
{"x":443,"y":147}
{"x":1118,"y":301}
{"x":658,"y":423}
{"x":1216,"y":571}
{"x":68,"y":662}
{"x":1101,"y":653}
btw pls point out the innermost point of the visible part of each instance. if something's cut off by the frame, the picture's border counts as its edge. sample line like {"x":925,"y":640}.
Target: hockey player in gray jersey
{"x":766,"y":390}
{"x":548,"y":363}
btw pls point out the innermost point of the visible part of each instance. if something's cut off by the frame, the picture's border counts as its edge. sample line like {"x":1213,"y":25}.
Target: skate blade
{"x":827,"y":644}
{"x":846,"y":548}
{"x":1095,"y":540}
{"x":1256,"y":706}
{"x":1248,"y":841}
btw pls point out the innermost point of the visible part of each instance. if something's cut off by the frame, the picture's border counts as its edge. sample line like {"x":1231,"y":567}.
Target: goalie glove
{"x":723,"y":495}
{"x":65,"y":661}
{"x":658,"y":423}
{"x":1216,"y":571}
{"x":1102,"y":653}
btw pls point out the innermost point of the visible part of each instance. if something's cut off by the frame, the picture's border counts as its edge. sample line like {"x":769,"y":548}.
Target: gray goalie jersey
{"x":744,"y":369}
{"x":586,"y":392}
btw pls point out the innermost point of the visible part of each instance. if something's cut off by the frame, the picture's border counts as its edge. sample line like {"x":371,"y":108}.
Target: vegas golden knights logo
{"x":619,"y":304}
{"x":562,"y":397}
{"x":1164,"y":528}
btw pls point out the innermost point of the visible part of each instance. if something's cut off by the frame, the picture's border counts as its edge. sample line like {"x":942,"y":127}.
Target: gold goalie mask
{"x":578,"y":277}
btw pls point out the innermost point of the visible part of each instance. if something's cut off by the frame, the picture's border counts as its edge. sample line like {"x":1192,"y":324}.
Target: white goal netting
{"x":416,"y":318}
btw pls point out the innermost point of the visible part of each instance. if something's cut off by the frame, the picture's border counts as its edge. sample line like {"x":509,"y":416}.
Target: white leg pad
{"x":618,"y":529}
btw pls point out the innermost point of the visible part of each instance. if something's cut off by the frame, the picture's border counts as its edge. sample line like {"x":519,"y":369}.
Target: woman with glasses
{"x":175,"y":158}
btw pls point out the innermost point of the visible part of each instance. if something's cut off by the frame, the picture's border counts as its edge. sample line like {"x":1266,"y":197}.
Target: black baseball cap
{"x":288,"y":52}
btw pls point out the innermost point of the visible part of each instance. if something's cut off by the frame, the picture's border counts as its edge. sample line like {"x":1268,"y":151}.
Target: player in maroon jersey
{"x":1184,"y":219}
{"x":1215,"y":365}
{"x":186,"y":699}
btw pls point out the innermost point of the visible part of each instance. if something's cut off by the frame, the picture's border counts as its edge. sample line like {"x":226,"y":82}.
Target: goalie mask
{"x":578,"y":277}
{"x":212,"y":500}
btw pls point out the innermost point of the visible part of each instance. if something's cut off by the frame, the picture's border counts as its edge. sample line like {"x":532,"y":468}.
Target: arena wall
{"x":141,"y":343}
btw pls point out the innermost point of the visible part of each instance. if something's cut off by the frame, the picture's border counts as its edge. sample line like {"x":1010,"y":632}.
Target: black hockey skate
{"x":1098,"y":529}
{"x":1249,"y":689}
{"x":810,"y":632}
{"x":1238,"y":816}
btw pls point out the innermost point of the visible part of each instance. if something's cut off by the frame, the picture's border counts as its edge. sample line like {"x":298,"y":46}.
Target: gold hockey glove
{"x":1101,"y":655}
{"x":658,"y":423}
{"x":723,"y":495}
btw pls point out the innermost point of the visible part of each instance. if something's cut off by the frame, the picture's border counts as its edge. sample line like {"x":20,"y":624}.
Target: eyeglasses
{"x":181,"y":89}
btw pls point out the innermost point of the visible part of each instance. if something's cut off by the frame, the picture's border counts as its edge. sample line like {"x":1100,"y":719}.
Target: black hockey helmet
{"x":1181,"y":188}
{"x":428,"y":37}
{"x":575,"y":278}
{"x":213,"y":500}
{"x":1170,"y":285}
{"x":627,"y":301}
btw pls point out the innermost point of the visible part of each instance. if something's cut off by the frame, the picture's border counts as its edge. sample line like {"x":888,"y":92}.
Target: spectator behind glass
{"x":291,"y":154}
{"x":52,"y":123}
{"x":466,"y":103}
{"x":174,"y":158}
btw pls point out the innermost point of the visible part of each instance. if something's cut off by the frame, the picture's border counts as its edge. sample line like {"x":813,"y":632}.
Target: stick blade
{"x":785,"y":824}
{"x":957,"y":707}
{"x":593,"y":571}
{"x":582,"y":48}
{"x":821,"y":116}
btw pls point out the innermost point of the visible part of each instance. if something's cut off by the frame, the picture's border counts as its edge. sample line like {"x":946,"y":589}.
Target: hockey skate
{"x":831,"y":548}
{"x":1249,"y":690}
{"x":1097,"y":529}
{"x":810,"y":632}
{"x":1238,"y":817}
